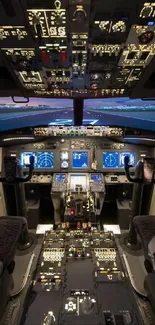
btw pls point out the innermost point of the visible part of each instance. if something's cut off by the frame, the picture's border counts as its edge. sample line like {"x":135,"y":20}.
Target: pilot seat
{"x":145,"y":226}
{"x":12,"y":231}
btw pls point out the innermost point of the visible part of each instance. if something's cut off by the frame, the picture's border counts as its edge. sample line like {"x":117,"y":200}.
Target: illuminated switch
{"x":72,"y":212}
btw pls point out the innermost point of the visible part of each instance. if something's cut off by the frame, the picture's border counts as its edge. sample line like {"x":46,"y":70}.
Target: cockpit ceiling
{"x":77,"y":48}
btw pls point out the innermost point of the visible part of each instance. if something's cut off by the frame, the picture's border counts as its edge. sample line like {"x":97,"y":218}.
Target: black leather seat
{"x":145,"y":226}
{"x":11,"y":228}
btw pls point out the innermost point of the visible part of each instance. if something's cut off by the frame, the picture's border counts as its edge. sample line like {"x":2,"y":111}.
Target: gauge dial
{"x":110,"y":159}
{"x":64,"y":164}
{"x":45,"y":160}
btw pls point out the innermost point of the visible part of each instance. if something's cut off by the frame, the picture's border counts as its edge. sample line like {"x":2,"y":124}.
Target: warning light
{"x":44,"y":56}
{"x":78,"y":225}
{"x":63,"y":56}
{"x":72,"y":212}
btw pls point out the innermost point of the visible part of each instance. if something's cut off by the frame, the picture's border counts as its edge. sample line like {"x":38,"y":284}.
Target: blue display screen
{"x":132,"y":157}
{"x":110,"y":159}
{"x":45,"y":160}
{"x":60,"y":177}
{"x":79,"y":159}
{"x":96,"y":178}
{"x":25,"y":158}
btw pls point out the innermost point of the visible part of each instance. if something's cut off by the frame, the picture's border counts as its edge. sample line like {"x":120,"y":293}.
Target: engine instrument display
{"x":80,"y":159}
{"x":110,"y":159}
{"x":45,"y":160}
{"x":60,"y":177}
{"x":96,"y":178}
{"x":78,"y":180}
{"x":25,"y":158}
{"x":132,"y":158}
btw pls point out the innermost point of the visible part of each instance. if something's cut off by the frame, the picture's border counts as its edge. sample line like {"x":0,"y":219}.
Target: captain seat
{"x":11,"y":230}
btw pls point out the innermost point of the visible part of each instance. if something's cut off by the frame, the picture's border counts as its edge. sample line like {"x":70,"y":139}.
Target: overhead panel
{"x":75,"y":48}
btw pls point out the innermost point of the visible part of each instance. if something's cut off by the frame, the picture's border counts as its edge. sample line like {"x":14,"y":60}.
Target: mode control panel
{"x":59,"y":182}
{"x":97,"y":183}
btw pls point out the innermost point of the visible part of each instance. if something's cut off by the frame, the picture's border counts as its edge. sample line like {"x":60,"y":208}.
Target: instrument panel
{"x":116,"y":160}
{"x":79,"y":160}
{"x":83,"y":131}
{"x":42,"y":159}
{"x":66,"y":155}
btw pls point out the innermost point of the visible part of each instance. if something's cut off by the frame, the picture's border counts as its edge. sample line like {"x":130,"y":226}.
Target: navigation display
{"x":132,"y":157}
{"x":60,"y":177}
{"x":25,"y":158}
{"x":110,"y":159}
{"x":96,"y":178}
{"x":79,"y":159}
{"x":45,"y":160}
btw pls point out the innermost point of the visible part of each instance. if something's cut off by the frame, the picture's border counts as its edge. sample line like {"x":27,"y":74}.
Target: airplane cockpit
{"x":75,"y":202}
{"x":77,"y":162}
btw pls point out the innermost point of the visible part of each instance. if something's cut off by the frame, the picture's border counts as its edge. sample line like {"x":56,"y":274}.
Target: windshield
{"x":123,"y":112}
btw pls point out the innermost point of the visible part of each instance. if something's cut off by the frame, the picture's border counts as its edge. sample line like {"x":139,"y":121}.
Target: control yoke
{"x":130,"y":178}
{"x":10,"y":165}
{"x":145,"y":171}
